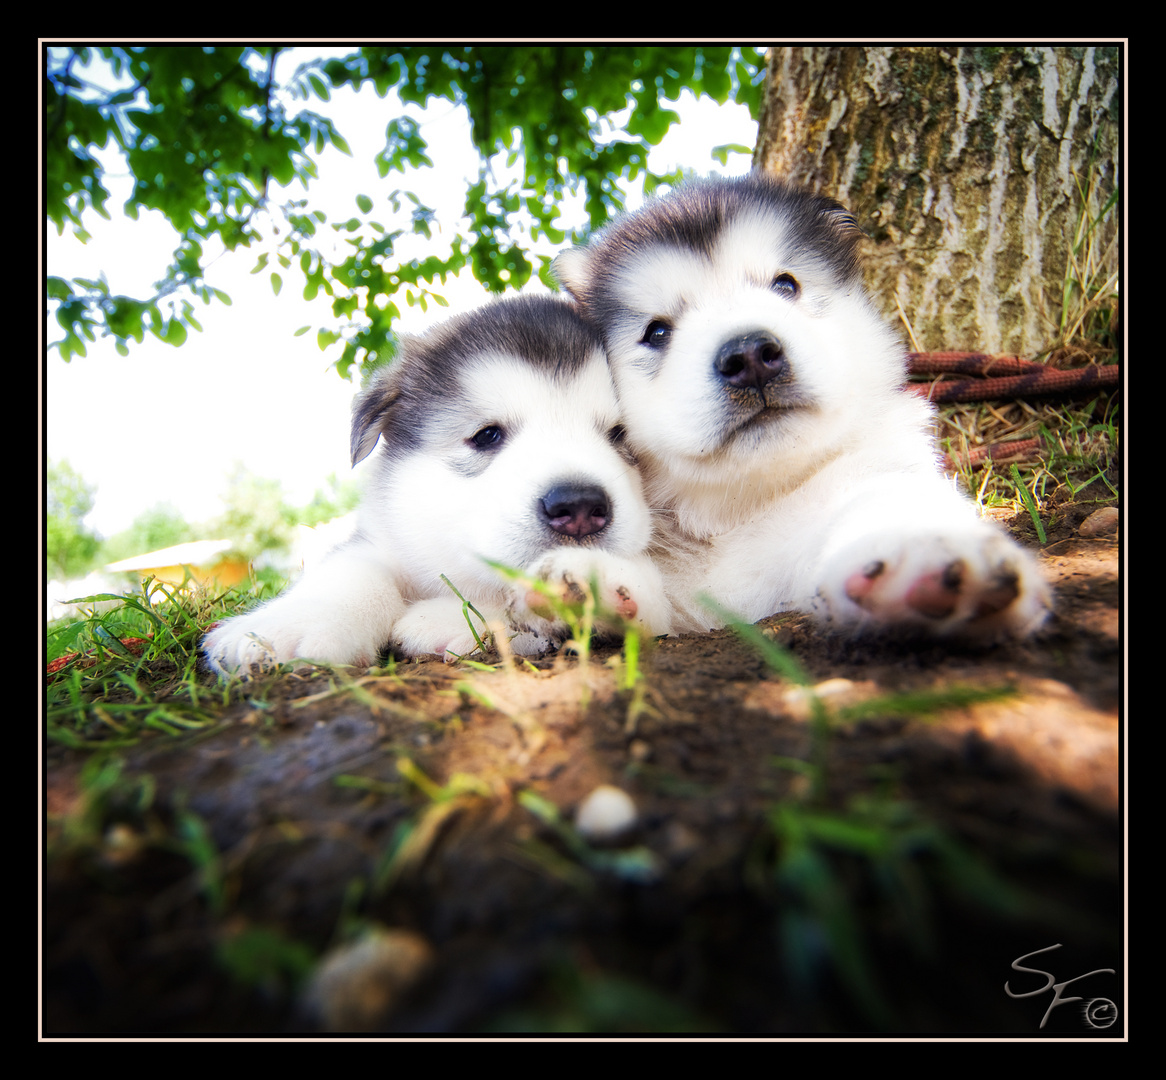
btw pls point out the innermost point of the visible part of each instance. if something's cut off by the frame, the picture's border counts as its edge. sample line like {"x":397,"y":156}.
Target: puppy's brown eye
{"x":657,"y":335}
{"x":616,"y":435}
{"x":488,"y":438}
{"x":786,"y":285}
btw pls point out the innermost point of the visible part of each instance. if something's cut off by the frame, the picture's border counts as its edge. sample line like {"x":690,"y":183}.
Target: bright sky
{"x":166,"y":424}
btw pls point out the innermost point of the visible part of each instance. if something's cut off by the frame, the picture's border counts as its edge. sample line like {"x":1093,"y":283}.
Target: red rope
{"x":968,"y":363}
{"x":1003,"y":377}
{"x":1000,"y":453}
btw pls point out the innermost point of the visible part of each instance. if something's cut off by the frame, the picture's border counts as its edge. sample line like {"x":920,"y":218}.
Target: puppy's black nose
{"x":752,"y":359}
{"x":576,"y":509}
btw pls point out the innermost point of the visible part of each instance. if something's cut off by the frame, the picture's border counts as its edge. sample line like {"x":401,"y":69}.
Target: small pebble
{"x":605,"y":813}
{"x":1100,"y":522}
{"x":639,"y":750}
{"x":681,"y":841}
{"x":357,"y":985}
{"x":122,"y":845}
{"x":836,"y":692}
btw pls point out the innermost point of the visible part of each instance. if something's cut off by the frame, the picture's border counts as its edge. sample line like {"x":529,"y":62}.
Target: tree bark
{"x":969,"y":168}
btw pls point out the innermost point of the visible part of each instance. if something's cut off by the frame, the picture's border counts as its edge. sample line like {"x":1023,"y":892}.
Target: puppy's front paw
{"x":625,"y":591}
{"x":972,"y":583}
{"x":249,"y":645}
{"x":234,"y":649}
{"x":437,"y":627}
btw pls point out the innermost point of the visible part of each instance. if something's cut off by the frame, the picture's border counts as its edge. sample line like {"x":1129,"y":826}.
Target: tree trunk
{"x":970,"y":169}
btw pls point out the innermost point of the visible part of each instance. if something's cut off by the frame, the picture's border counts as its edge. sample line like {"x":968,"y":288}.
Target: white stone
{"x":1100,"y":522}
{"x":605,"y":813}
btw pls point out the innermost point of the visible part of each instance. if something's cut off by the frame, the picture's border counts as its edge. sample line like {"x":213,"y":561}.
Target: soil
{"x":282,"y":874}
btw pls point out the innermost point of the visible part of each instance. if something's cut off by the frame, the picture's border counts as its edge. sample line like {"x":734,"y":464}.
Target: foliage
{"x":161,"y":526}
{"x":212,"y":138}
{"x":70,"y":544}
{"x":256,"y":518}
{"x":341,"y":497}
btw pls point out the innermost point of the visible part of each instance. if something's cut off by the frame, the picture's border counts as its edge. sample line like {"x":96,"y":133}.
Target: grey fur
{"x":544,"y":331}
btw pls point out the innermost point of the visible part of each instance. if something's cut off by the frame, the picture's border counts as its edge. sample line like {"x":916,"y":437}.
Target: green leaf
{"x":320,"y":87}
{"x":721,"y":153}
{"x":58,"y":288}
{"x":175,"y":333}
{"x":203,"y":137}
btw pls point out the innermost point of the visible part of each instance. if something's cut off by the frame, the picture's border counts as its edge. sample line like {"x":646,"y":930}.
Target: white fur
{"x":787,"y":512}
{"x":444,"y":509}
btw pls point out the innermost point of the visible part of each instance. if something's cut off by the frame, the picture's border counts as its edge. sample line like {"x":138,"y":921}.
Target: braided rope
{"x":1003,"y":377}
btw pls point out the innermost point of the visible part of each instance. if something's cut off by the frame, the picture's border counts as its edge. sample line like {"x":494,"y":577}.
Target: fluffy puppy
{"x":499,"y":441}
{"x":763,"y":398}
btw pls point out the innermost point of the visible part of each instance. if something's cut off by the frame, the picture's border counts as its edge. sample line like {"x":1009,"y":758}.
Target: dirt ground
{"x":282,"y":874}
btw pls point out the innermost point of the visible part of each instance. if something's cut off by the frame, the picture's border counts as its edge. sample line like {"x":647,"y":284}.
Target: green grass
{"x":484,"y":642}
{"x":579,"y":999}
{"x":1079,"y":447}
{"x":1029,"y":505}
{"x":264,"y":957}
{"x":876,"y":861}
{"x":110,"y":693}
{"x":580,"y":616}
{"x":1091,"y":286}
{"x":415,"y":836}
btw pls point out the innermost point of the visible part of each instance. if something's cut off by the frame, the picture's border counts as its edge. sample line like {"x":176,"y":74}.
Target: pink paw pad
{"x":933,"y":595}
{"x":859,"y":585}
{"x":936,"y":595}
{"x":1002,"y":593}
{"x":624,"y":604}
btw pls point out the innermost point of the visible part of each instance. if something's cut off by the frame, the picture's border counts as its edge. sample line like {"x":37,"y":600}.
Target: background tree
{"x":71,"y":545}
{"x":338,"y":498}
{"x":161,"y":526}
{"x":985,"y":176}
{"x":257,"y":518}
{"x":212,"y":140}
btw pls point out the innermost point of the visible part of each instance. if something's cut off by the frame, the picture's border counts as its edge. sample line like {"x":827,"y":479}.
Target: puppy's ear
{"x":842,"y":220}
{"x":842,"y":242}
{"x":572,"y":270}
{"x":370,"y":410}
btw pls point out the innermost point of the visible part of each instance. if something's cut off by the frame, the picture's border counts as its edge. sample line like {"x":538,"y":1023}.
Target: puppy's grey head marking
{"x":692,"y":218}
{"x":543,"y":331}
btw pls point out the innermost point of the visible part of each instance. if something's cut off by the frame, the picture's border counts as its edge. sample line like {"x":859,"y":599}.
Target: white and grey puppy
{"x":763,"y":398}
{"x":500,"y":439}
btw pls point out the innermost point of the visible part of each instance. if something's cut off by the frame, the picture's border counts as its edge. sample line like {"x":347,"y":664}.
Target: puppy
{"x":499,"y":440}
{"x":763,"y":398}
